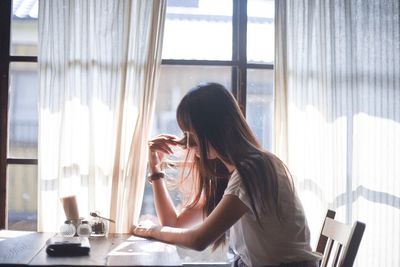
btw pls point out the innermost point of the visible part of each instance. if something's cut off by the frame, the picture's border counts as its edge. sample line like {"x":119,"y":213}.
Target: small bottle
{"x":84,"y":229}
{"x":99,"y":227}
{"x":67,"y":229}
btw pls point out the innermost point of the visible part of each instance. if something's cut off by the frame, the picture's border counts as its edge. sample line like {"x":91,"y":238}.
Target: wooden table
{"x":29,"y":248}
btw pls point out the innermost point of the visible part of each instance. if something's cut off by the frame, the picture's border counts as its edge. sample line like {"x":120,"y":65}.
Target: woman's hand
{"x":158,"y":147}
{"x":228,"y":211}
{"x":145,"y":231}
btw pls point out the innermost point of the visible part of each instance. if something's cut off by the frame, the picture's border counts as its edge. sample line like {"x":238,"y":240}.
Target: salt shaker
{"x":67,"y":229}
{"x":84,"y":229}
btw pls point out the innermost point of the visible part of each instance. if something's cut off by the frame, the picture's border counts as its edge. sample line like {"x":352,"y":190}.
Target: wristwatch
{"x":155,"y":176}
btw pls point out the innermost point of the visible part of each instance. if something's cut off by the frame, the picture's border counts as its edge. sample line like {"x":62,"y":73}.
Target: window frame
{"x":5,"y":60}
{"x":239,"y":62}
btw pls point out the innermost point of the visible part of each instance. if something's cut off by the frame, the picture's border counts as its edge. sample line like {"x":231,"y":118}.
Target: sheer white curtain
{"x":338,"y":114}
{"x":98,"y":64}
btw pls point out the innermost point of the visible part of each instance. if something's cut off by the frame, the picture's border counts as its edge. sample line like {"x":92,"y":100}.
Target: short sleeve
{"x":236,"y":187}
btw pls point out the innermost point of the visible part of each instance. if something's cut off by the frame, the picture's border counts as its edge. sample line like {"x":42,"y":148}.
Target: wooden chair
{"x":346,"y":238}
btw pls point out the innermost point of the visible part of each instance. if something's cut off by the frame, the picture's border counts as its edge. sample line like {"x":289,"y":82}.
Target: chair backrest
{"x":345,"y":238}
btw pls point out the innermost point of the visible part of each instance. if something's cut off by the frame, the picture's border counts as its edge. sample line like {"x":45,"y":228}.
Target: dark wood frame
{"x":239,"y":80}
{"x":5,"y":59}
{"x":5,"y":15}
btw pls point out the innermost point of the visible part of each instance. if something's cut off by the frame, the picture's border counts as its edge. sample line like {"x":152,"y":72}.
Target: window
{"x":227,"y":41}
{"x":19,"y":96}
{"x":205,"y":41}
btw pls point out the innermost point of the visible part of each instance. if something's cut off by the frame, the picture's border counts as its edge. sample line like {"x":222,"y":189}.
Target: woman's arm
{"x":166,"y":212}
{"x":165,"y":208}
{"x":227,"y":212}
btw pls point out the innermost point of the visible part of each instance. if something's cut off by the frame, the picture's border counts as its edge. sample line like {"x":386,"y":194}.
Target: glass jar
{"x":84,"y":229}
{"x":99,"y":227}
{"x":67,"y":229}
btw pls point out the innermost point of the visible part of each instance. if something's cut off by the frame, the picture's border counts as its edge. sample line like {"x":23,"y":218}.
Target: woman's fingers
{"x":168,"y":136}
{"x":161,"y":147}
{"x":143,"y":230}
{"x":138,"y":231}
{"x":163,"y":143}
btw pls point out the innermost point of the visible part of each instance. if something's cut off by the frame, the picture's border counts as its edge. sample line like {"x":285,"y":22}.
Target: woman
{"x":259,"y":207}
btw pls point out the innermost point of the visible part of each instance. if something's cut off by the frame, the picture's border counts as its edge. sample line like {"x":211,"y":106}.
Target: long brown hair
{"x":212,"y":114}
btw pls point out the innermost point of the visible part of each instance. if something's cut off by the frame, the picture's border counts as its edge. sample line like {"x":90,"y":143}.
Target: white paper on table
{"x":136,"y":238}
{"x":135,"y":247}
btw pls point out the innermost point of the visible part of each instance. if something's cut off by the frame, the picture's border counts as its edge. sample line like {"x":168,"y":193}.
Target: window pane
{"x":22,"y":197}
{"x":23,"y":113}
{"x":24,"y":28}
{"x":260,"y":31}
{"x":198,"y":29}
{"x":174,"y":82}
{"x":260,"y":104}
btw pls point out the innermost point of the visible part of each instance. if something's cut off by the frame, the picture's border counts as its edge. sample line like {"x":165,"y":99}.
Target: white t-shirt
{"x":277,"y":242}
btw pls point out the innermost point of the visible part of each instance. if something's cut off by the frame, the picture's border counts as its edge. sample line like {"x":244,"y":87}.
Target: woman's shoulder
{"x":234,"y":178}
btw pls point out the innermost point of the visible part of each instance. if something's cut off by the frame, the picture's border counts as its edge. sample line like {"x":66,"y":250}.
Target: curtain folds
{"x":128,"y":182}
{"x":338,"y":114}
{"x":98,"y":67}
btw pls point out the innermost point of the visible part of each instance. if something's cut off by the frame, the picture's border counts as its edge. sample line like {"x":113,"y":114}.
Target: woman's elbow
{"x":199,"y":247}
{"x":198,"y":243}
